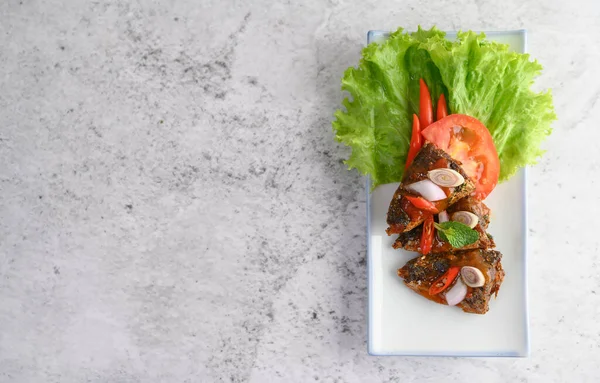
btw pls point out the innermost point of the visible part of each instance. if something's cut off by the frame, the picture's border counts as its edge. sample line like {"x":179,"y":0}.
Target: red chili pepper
{"x":444,"y":281}
{"x":416,"y":141}
{"x":422,"y":204}
{"x":425,"y":108}
{"x":427,"y":236}
{"x":442,"y":109}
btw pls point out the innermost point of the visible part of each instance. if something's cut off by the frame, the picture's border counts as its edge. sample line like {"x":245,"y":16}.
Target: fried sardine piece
{"x":411,"y":240}
{"x":402,"y":216}
{"x":420,"y":273}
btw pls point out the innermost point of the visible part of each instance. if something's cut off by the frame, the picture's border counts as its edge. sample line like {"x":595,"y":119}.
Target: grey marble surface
{"x":174,"y":209}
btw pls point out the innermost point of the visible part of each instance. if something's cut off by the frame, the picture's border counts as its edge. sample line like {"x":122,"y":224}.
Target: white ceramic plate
{"x":402,"y":322}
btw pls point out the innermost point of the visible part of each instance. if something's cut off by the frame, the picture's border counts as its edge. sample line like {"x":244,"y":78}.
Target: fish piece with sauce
{"x":411,"y":240}
{"x":425,"y":271}
{"x":403,"y":216}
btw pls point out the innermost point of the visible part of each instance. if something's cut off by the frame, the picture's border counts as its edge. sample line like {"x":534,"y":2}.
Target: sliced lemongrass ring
{"x":446,"y":177}
{"x":465,"y":217}
{"x":472,"y":276}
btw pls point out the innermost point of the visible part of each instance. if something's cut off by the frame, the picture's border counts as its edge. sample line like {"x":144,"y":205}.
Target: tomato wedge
{"x":444,"y":281}
{"x":468,"y":141}
{"x":427,"y":235}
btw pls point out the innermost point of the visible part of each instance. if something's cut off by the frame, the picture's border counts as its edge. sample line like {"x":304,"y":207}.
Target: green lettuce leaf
{"x":479,"y":78}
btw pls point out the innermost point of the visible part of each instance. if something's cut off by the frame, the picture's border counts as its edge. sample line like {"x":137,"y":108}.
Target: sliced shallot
{"x":428,"y":190}
{"x":465,"y":217}
{"x":457,"y":293}
{"x":443,"y":216}
{"x":446,"y":177}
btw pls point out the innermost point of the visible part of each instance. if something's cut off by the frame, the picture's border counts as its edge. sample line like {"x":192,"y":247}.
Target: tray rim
{"x":370,"y":268}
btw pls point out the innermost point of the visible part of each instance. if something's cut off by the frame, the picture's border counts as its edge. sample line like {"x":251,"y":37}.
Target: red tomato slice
{"x":467,"y":140}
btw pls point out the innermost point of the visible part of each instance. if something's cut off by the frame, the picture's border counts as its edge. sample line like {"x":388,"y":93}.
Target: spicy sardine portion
{"x":402,"y":215}
{"x":411,"y":240}
{"x":439,"y":277}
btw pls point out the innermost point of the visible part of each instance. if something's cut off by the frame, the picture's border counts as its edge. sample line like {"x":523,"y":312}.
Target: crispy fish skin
{"x":421,"y":272}
{"x":402,"y":216}
{"x":411,"y":240}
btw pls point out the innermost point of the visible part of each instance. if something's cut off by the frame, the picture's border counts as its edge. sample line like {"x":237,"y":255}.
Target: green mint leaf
{"x":442,"y":234}
{"x":457,"y":234}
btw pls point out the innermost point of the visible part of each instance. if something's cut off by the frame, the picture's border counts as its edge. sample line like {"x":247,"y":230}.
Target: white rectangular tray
{"x":402,"y":322}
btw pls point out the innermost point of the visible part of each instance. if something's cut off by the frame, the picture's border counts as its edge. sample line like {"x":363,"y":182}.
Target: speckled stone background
{"x":174,"y":209}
